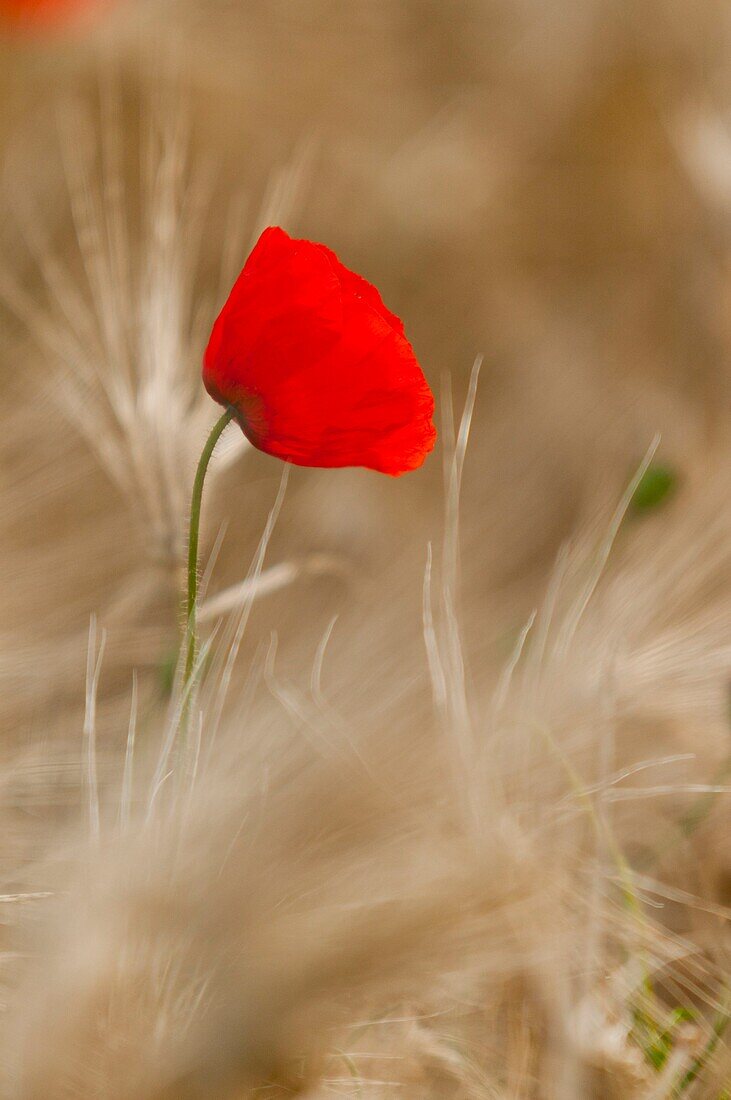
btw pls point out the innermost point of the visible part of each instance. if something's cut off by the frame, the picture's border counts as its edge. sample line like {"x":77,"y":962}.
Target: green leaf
{"x":657,"y":483}
{"x":166,"y":671}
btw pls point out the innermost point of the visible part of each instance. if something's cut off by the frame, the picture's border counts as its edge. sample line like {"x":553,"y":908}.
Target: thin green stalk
{"x":191,"y":633}
{"x":600,"y":827}
{"x":719,"y":1025}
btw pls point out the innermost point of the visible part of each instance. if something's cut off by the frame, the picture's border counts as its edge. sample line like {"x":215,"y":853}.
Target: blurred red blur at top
{"x":40,"y":14}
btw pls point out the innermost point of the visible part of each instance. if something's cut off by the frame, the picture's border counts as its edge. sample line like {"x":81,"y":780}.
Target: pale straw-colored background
{"x":440,"y":830}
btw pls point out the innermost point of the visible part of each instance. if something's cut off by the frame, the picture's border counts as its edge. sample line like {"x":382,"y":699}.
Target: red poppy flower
{"x":40,"y":13}
{"x":317,"y":370}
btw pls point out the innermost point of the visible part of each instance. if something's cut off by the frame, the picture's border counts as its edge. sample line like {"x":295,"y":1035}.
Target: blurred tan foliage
{"x":495,"y":865}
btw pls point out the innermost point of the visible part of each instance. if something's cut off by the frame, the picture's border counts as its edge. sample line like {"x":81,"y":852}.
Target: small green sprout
{"x":656,"y":484}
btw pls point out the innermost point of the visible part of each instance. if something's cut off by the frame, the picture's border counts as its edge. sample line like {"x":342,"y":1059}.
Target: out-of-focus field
{"x":453,"y":819}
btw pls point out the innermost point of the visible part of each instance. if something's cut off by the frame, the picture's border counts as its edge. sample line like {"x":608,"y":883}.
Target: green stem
{"x":720,"y":1023}
{"x":191,"y":633}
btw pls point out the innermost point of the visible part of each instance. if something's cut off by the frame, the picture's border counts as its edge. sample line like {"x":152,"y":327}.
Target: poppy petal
{"x":37,"y":13}
{"x":318,"y":370}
